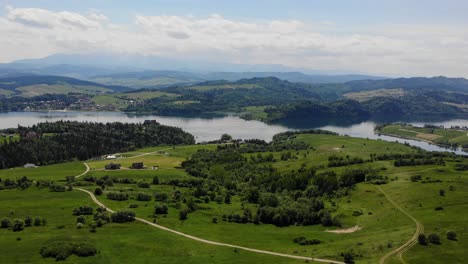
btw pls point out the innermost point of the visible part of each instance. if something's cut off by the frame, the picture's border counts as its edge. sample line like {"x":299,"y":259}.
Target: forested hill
{"x":416,"y":83}
{"x":226,"y":96}
{"x":48,"y":143}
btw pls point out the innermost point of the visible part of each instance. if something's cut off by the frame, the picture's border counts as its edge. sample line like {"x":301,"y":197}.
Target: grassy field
{"x":34,"y":90}
{"x":255,"y":112}
{"x":437,"y":135}
{"x":367,"y":95}
{"x":384,"y":227}
{"x":122,"y":100}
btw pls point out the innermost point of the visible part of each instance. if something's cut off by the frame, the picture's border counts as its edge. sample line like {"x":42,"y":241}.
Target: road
{"x":410,"y":243}
{"x":213,"y":242}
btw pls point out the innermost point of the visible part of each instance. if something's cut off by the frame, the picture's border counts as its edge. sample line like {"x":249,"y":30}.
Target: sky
{"x":386,"y":37}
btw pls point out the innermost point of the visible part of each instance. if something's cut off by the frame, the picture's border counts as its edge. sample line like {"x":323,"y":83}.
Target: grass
{"x":367,"y":95}
{"x":255,"y":112}
{"x":34,"y":90}
{"x":384,"y":227}
{"x":442,"y":136}
{"x":8,"y":138}
{"x":6,"y":92}
{"x":122,"y":100}
{"x":117,"y":243}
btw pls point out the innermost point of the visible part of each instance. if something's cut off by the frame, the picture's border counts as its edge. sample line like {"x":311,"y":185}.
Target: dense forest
{"x":48,"y":143}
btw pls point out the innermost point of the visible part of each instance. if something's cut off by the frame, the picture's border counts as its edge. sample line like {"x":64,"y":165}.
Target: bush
{"x":37,"y":221}
{"x":348,"y":257}
{"x":422,"y":239}
{"x":183,"y":215}
{"x":57,"y":188}
{"x":160,"y":196}
{"x":61,"y":250}
{"x":98,"y":191}
{"x":118,"y":196}
{"x":83,"y":210}
{"x":303,"y":241}
{"x":161,"y":209}
{"x":214,"y":220}
{"x":144,"y":184}
{"x":451,"y":235}
{"x":18,"y":225}
{"x":81,"y":219}
{"x":5,"y":223}
{"x":84,"y":250}
{"x":28,"y":221}
{"x":434,"y":239}
{"x":143,"y":197}
{"x":155,"y":180}
{"x":123,"y":217}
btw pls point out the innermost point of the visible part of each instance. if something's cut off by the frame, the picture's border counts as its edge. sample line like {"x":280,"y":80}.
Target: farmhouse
{"x":29,"y":165}
{"x":112,"y":166}
{"x":137,"y":166}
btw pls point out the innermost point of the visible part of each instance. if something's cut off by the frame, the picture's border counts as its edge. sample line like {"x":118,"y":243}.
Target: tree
{"x":123,"y":217}
{"x":155,"y":180}
{"x":28,"y":221}
{"x":183,"y":214}
{"x":434,"y":238}
{"x":144,"y":184}
{"x":161,"y":209}
{"x":18,"y":225}
{"x":5,"y":223}
{"x":226,"y":137}
{"x":37,"y":221}
{"x":442,"y":192}
{"x":227,"y":198}
{"x":81,"y":219}
{"x":98,"y":191}
{"x":92,"y":227}
{"x":348,"y":257}
{"x":422,"y":239}
{"x":451,"y":235}
{"x":214,"y":220}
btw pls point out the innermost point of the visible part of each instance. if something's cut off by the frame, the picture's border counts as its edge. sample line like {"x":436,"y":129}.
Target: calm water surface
{"x":205,"y":129}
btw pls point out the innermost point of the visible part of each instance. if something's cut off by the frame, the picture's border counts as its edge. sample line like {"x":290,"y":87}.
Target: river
{"x":205,"y":129}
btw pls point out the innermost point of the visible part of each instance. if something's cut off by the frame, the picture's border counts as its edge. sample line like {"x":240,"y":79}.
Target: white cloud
{"x":385,"y":49}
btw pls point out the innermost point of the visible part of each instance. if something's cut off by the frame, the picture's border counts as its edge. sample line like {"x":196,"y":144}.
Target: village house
{"x":137,"y":166}
{"x":112,"y":166}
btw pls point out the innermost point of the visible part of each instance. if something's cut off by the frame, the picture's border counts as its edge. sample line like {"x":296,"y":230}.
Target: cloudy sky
{"x":386,"y":37}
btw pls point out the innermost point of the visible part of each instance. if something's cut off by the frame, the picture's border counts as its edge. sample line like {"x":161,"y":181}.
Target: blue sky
{"x":343,"y":11}
{"x":397,"y":38}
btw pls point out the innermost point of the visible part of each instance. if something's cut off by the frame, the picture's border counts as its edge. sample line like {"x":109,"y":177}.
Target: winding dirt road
{"x":213,"y":242}
{"x":410,"y":243}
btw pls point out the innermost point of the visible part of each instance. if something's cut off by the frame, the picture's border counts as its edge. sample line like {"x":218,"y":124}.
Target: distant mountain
{"x":292,"y":77}
{"x":32,"y":85}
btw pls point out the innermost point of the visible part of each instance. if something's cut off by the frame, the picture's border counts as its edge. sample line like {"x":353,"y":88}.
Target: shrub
{"x":57,"y":188}
{"x":28,"y":221}
{"x":84,"y":250}
{"x":61,"y":250}
{"x":214,"y":220}
{"x":422,"y":239}
{"x":143,"y":197}
{"x":98,"y":191}
{"x":123,"y":217}
{"x":81,"y":219}
{"x":161,"y":209}
{"x":348,"y":257}
{"x":83,"y":210}
{"x":118,"y":196}
{"x":183,"y":214}
{"x":155,"y":180}
{"x":158,"y":196}
{"x":144,"y":184}
{"x":37,"y":221}
{"x":416,"y":178}
{"x":434,"y":238}
{"x":5,"y":223}
{"x":451,"y":235}
{"x":18,"y":225}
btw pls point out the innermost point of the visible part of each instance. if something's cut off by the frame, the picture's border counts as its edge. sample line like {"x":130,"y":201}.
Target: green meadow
{"x":383,"y":227}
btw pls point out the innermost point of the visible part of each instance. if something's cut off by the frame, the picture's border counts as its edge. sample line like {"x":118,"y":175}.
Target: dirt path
{"x":213,"y":242}
{"x":410,"y":243}
{"x":86,"y":171}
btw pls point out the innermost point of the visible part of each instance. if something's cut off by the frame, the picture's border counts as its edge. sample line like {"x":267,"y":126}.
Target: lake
{"x":206,"y":129}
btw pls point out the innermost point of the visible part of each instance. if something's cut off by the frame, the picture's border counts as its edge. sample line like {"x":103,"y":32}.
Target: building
{"x":137,"y":166}
{"x":29,"y":166}
{"x":111,"y":157}
{"x":112,"y":166}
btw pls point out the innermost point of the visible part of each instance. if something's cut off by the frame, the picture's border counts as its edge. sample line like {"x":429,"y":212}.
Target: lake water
{"x":205,"y":129}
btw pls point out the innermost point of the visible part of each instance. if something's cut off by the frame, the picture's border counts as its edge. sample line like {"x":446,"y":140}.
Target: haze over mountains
{"x":139,"y":71}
